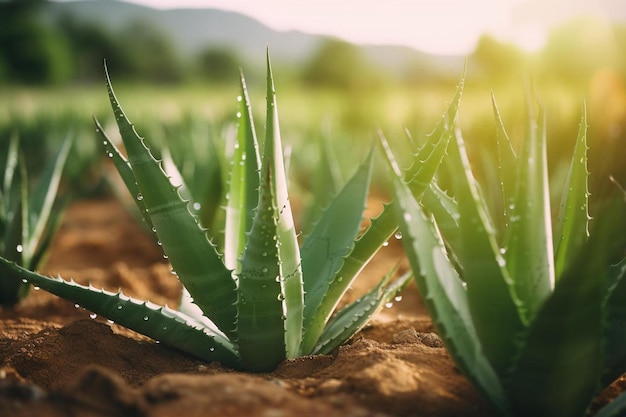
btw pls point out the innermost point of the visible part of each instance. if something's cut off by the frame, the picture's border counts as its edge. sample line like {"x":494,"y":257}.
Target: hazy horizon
{"x":449,"y":27}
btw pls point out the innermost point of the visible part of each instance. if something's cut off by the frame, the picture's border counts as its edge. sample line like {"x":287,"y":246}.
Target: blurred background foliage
{"x":51,"y":85}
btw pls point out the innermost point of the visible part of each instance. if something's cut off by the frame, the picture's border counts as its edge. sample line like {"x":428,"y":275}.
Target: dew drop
{"x":239,"y":98}
{"x":36,"y":288}
{"x":386,"y":244}
{"x":280,"y":297}
{"x":212,"y":349}
{"x":93,"y":316}
{"x":388,"y":305}
{"x":238,"y":114}
{"x":264,"y":270}
{"x":76,"y":305}
{"x":398,"y":298}
{"x":139,"y":197}
{"x":119,"y":306}
{"x":398,"y":235}
{"x":24,"y":280}
{"x":407,"y":217}
{"x":19,"y":248}
{"x":110,"y":321}
{"x":197,"y":206}
{"x":145,"y":318}
{"x":110,"y":154}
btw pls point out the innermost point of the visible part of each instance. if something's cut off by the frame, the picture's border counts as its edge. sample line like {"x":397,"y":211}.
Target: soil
{"x":56,"y":359}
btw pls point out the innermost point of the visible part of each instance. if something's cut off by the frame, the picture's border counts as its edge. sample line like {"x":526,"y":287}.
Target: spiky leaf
{"x":497,"y":321}
{"x":443,"y":290}
{"x":160,"y":323}
{"x":573,"y":220}
{"x":529,"y":247}
{"x":191,"y":254}
{"x":325,"y":248}
{"x":244,"y":183}
{"x":286,"y":236}
{"x":350,"y":319}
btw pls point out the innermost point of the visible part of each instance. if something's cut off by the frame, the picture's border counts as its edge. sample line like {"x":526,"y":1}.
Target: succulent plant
{"x":28,"y":220}
{"x":533,"y":311}
{"x":265,"y":298}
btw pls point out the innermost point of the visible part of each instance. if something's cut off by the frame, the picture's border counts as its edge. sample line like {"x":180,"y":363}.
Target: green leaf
{"x":41,"y":203}
{"x":445,"y":210}
{"x":507,"y":161}
{"x":160,"y":323}
{"x":529,"y":247}
{"x":609,"y":233}
{"x":325,"y":248}
{"x":573,"y":219}
{"x":192,"y":255}
{"x":560,"y":364}
{"x":10,"y":167}
{"x":350,"y":319}
{"x":615,"y":339}
{"x":327,"y":180}
{"x":426,"y":163}
{"x":244,"y":183}
{"x":443,"y":291}
{"x":260,"y":327}
{"x":125,"y":170}
{"x":286,"y":237}
{"x":490,"y":292}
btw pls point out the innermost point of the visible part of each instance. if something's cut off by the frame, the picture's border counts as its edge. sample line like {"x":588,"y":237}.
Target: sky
{"x":433,"y":26}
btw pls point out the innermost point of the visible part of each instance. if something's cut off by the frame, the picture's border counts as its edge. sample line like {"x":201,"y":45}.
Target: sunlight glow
{"x":433,"y":26}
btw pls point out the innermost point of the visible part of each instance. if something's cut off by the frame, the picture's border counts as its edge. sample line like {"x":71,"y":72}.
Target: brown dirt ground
{"x":55,"y":360}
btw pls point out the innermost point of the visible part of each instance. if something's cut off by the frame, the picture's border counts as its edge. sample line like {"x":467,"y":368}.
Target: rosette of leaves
{"x":265,"y":298}
{"x":533,"y":311}
{"x":29,"y":218}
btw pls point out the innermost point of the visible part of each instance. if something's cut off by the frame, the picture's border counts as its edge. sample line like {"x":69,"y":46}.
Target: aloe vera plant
{"x":263,"y":298}
{"x":532,"y":312}
{"x":28,"y":220}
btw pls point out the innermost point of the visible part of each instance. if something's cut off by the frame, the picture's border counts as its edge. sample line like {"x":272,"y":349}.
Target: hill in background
{"x":192,"y":30}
